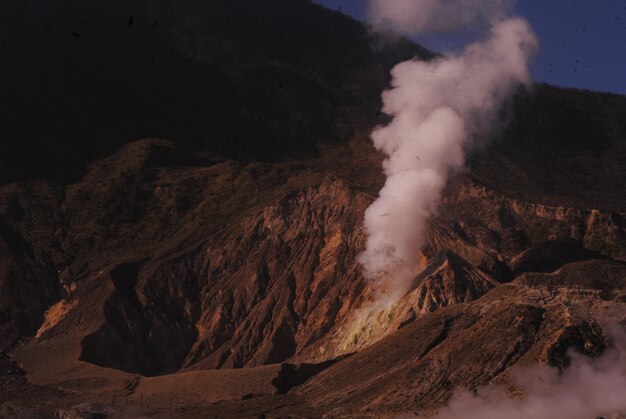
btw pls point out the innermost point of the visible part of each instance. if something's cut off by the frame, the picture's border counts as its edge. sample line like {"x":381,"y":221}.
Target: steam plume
{"x":586,"y":389}
{"x":437,"y":108}
{"x":414,"y":17}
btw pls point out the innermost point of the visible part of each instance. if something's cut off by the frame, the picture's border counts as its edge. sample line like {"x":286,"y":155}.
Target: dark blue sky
{"x":583,"y":42}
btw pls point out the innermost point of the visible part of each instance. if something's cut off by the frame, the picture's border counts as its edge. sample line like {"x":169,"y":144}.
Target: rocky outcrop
{"x":464,"y":345}
{"x":284,"y":281}
{"x":231,"y":280}
{"x":28,"y":283}
{"x":550,"y":255}
{"x":598,"y":275}
{"x":148,"y":337}
{"x":505,"y":226}
{"x":447,"y":281}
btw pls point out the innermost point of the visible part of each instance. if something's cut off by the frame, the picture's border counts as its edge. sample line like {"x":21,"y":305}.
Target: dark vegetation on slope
{"x":560,"y":147}
{"x":239,"y":79}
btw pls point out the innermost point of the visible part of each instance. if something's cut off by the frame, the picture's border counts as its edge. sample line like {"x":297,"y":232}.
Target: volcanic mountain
{"x":181,"y":212}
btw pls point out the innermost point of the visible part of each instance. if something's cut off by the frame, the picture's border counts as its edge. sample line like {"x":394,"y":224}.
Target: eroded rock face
{"x":598,"y":275}
{"x":135,"y":336}
{"x":284,"y":282}
{"x":550,"y":255}
{"x":464,"y":345}
{"x":236,"y":280}
{"x":487,"y":228}
{"x":28,"y":277}
{"x":447,"y":281}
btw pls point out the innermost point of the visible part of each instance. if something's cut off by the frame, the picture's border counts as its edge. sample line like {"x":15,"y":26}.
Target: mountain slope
{"x":240,"y":79}
{"x":179,"y":269}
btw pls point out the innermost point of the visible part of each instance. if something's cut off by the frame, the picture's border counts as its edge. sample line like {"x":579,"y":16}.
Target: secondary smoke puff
{"x":414,"y":17}
{"x":436,"y":107}
{"x":586,"y":389}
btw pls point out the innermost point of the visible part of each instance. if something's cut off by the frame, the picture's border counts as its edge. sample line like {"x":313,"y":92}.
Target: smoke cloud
{"x":588,"y":388}
{"x":439,"y":108}
{"x":414,"y":17}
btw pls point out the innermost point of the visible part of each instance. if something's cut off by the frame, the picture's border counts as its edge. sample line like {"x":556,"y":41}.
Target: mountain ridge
{"x":227,"y":282}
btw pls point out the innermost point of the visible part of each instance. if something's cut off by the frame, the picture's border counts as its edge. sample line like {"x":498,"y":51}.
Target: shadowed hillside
{"x":237,"y":79}
{"x":560,"y":146}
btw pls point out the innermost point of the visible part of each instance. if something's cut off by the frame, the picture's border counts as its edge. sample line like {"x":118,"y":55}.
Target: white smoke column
{"x":437,"y":108}
{"x":416,"y":17}
{"x":588,"y":388}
